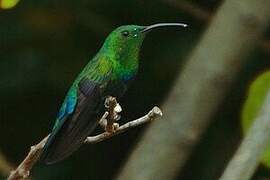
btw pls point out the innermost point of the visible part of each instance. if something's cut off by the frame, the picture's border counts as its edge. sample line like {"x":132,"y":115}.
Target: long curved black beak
{"x":159,"y":25}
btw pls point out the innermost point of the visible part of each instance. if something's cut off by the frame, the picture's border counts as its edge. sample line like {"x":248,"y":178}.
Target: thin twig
{"x":153,"y":114}
{"x":111,"y":118}
{"x":23,"y":170}
{"x":246,"y":159}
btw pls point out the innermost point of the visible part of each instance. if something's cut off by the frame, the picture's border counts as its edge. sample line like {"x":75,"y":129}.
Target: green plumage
{"x":108,"y":73}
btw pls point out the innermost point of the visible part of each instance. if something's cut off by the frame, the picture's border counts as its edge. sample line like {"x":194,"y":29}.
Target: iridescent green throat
{"x":123,"y":57}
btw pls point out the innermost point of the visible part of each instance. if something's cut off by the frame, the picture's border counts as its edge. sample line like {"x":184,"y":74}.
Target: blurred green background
{"x":45,"y":44}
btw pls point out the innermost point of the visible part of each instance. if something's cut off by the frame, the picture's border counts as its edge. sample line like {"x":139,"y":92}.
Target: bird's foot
{"x":117,"y":108}
{"x":117,"y":117}
{"x":113,"y":109}
{"x":115,"y":126}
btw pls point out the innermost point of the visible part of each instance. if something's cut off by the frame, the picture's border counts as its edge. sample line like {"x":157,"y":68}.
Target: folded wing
{"x":79,"y":118}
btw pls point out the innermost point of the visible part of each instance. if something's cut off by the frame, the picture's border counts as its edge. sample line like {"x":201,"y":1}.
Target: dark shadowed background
{"x":45,"y":44}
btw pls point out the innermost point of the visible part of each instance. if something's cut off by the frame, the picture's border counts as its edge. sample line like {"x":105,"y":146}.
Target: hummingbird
{"x":108,"y":73}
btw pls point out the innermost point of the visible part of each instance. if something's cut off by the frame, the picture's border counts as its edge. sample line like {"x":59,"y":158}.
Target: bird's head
{"x":125,"y":41}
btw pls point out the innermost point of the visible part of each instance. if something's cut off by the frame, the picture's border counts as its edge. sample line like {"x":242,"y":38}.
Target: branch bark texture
{"x":152,"y":115}
{"x":199,"y":90}
{"x":23,"y":170}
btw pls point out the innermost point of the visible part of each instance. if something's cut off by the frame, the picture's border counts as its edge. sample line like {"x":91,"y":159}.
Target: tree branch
{"x":107,"y":121}
{"x":152,"y":115}
{"x":256,"y":141}
{"x":23,"y":170}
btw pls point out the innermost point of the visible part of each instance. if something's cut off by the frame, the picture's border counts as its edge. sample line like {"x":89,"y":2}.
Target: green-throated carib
{"x":107,"y":74}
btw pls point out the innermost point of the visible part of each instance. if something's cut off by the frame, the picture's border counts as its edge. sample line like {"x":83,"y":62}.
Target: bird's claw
{"x":118,"y":108}
{"x":115,"y":126}
{"x":117,"y":117}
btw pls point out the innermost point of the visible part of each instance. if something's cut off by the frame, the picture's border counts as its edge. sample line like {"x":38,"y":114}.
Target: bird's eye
{"x":125,"y":33}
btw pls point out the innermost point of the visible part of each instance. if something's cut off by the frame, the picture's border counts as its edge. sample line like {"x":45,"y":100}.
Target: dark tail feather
{"x":65,"y":142}
{"x":74,"y":130}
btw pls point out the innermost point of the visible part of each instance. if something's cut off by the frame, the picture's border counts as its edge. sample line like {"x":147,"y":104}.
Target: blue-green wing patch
{"x":76,"y":122}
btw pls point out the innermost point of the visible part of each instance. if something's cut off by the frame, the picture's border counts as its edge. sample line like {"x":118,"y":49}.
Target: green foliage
{"x":7,"y":4}
{"x":256,"y":96}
